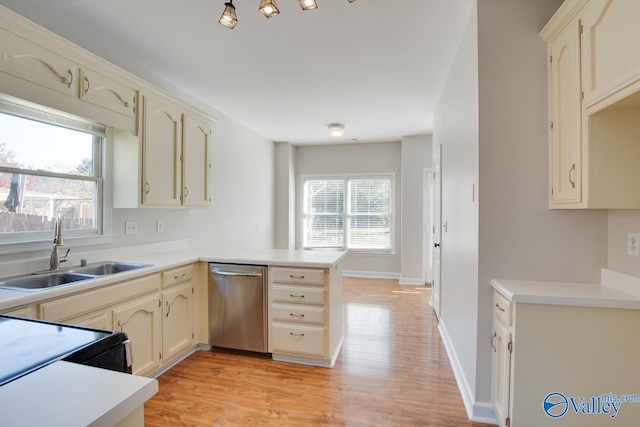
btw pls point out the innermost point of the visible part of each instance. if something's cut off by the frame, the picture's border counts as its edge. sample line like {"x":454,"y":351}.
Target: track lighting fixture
{"x":268,"y":8}
{"x":308,"y":4}
{"x":229,"y":18}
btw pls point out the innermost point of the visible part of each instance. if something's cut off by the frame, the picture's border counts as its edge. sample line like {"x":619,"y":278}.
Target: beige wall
{"x":622,"y":222}
{"x":500,"y":139}
{"x":417,"y":155}
{"x":285,"y":194}
{"x":456,"y":130}
{"x":355,"y":158}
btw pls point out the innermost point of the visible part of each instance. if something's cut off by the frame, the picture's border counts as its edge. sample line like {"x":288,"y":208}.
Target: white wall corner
{"x":476,"y":411}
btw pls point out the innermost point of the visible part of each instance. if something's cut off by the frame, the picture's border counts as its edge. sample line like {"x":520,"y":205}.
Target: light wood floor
{"x":393,"y":371}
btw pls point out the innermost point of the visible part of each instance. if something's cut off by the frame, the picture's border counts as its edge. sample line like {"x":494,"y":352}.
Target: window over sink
{"x":353,"y":213}
{"x":50,"y":166}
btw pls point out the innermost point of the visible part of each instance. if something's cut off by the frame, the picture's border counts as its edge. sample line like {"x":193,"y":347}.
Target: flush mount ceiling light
{"x":229,"y":18}
{"x":268,"y":8}
{"x":336,"y":129}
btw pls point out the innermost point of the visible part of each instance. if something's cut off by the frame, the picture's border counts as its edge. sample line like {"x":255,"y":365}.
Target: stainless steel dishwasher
{"x":238,"y":307}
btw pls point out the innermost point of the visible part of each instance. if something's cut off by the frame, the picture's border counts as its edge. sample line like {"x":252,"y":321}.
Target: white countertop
{"x":617,"y":290}
{"x":68,"y":394}
{"x":173,"y":257}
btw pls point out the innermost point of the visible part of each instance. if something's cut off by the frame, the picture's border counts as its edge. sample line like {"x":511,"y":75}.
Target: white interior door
{"x":437,"y":228}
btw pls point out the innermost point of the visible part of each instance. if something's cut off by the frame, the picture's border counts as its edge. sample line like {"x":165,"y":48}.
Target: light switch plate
{"x":633,"y":244}
{"x":130,"y":227}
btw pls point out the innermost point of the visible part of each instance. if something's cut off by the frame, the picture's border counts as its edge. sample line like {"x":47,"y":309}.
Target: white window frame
{"x":346,"y":216}
{"x":12,"y":243}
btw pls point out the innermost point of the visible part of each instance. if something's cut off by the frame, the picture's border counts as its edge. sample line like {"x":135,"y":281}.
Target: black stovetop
{"x":26,"y":344}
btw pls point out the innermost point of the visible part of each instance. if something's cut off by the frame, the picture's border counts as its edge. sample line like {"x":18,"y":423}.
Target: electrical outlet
{"x":633,"y":244}
{"x":159,"y":226}
{"x":130,"y":227}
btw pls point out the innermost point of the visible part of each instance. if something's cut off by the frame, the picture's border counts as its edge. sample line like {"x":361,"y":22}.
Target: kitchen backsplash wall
{"x":622,"y":222}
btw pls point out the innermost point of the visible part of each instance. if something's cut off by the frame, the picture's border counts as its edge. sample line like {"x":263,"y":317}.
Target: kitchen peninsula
{"x":137,"y":295}
{"x":149,"y":296}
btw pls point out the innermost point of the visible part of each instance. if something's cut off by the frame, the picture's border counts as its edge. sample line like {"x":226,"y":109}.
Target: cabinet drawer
{"x":307,"y":340}
{"x":298,"y":275}
{"x":177,"y":275}
{"x":297,"y":313}
{"x":298,"y":294}
{"x":502,"y":308}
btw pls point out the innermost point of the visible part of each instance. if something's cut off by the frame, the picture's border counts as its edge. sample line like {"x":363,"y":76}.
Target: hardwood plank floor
{"x":392,"y":371}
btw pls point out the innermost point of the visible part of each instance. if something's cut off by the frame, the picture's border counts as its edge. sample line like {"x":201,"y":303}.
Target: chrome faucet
{"x":54,"y":262}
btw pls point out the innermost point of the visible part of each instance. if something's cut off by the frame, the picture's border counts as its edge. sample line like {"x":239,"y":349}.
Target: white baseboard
{"x":415,"y":281}
{"x":481,"y":412}
{"x":371,"y":274}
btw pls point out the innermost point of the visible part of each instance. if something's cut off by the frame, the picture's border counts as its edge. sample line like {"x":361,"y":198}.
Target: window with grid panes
{"x":351,"y":213}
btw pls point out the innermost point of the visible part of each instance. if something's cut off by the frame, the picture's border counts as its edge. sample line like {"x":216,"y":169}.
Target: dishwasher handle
{"x":236,"y":273}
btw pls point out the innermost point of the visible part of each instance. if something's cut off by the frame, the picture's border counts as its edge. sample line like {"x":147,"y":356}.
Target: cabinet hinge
{"x":510,"y":346}
{"x":582,"y":95}
{"x":507,"y":421}
{"x":159,"y":356}
{"x":551,"y":125}
{"x":193,"y":336}
{"x":550,"y":59}
{"x":159,"y":303}
{"x":581,"y":29}
{"x":193,"y":291}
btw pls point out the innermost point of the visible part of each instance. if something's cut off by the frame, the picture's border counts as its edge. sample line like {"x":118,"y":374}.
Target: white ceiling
{"x":375,"y":65}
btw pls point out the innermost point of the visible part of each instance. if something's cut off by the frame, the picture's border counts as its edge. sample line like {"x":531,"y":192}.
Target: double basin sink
{"x":51,"y":279}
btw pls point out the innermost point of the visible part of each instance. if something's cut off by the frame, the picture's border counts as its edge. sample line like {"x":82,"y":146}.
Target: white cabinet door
{"x":196,"y":163}
{"x":161,"y":152}
{"x":501,"y":361}
{"x":610,"y":40}
{"x":141,"y":320}
{"x":565,"y":111}
{"x":177,"y":318}
{"x":35,"y":64}
{"x":115,"y":97}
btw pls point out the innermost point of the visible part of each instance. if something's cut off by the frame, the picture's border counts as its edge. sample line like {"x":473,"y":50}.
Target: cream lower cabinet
{"x":28,"y":312}
{"x":132,"y":306}
{"x":501,"y":345}
{"x":179,"y":318}
{"x":305,"y":315}
{"x":141,"y":320}
{"x":554,"y":365}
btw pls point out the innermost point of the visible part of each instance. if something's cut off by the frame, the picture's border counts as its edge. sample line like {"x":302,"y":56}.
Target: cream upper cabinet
{"x":594,"y":100}
{"x":174,"y":153}
{"x":565,"y":114}
{"x":196,"y":164}
{"x":39,"y":74}
{"x":140,"y":319}
{"x":161,"y":151}
{"x":610,"y":41}
{"x":33,"y":63}
{"x":117,"y":98}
